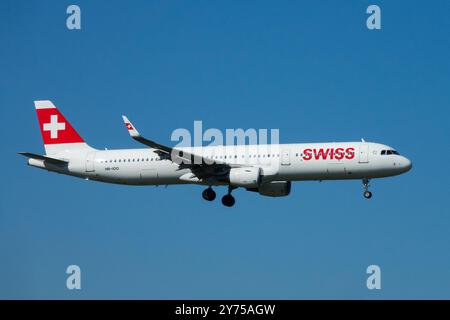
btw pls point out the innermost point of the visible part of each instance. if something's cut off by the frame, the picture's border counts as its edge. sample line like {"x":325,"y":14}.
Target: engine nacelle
{"x":275,"y":188}
{"x":249,"y":177}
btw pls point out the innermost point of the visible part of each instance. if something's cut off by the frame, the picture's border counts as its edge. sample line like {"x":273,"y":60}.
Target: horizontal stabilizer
{"x":45,"y":158}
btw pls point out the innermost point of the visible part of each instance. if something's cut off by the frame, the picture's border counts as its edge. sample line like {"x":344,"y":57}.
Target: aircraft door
{"x":90,"y":159}
{"x":286,"y":157}
{"x":363,"y":153}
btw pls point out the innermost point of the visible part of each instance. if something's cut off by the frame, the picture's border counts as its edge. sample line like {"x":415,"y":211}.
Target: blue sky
{"x":310,"y":68}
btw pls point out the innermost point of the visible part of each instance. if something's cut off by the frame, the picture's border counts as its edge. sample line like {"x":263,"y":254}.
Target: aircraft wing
{"x":176,"y":155}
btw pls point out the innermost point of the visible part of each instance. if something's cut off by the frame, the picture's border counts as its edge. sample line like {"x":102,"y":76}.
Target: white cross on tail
{"x":54,"y":126}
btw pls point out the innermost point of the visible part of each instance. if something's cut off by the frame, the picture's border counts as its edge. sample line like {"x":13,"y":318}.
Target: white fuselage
{"x":283,"y":162}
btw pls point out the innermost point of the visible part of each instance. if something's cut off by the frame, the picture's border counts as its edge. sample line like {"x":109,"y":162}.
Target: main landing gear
{"x":227,"y":200}
{"x":209,"y":194}
{"x":367,"y":193}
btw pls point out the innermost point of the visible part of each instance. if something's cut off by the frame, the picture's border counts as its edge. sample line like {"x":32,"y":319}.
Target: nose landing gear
{"x":367,"y":194}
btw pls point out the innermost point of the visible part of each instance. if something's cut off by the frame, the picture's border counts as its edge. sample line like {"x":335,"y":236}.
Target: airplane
{"x":266,"y":169}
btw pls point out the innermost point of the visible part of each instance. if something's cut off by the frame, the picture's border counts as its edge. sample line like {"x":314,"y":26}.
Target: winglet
{"x":131,"y":129}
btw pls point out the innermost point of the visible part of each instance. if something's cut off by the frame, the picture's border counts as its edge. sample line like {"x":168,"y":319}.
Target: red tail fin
{"x":54,"y":127}
{"x":57,"y":133}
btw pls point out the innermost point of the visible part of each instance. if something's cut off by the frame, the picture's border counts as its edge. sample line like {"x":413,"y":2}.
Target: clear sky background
{"x":310,"y":68}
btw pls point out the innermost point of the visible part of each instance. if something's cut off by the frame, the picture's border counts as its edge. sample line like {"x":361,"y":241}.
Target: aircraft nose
{"x":407,"y":164}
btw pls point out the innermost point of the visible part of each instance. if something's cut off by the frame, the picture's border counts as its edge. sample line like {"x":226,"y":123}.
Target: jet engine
{"x":275,"y":188}
{"x":249,"y":177}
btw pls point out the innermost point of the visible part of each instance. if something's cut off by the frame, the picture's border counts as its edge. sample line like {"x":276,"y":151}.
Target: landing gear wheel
{"x":228,"y":200}
{"x":209,"y":194}
{"x":367,"y":194}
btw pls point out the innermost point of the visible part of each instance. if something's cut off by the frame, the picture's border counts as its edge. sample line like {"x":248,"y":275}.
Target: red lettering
{"x":321,"y":153}
{"x":307,"y":154}
{"x":350,"y":153}
{"x":339,"y":153}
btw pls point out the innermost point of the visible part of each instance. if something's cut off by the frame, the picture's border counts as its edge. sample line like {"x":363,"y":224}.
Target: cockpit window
{"x":387,"y":152}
